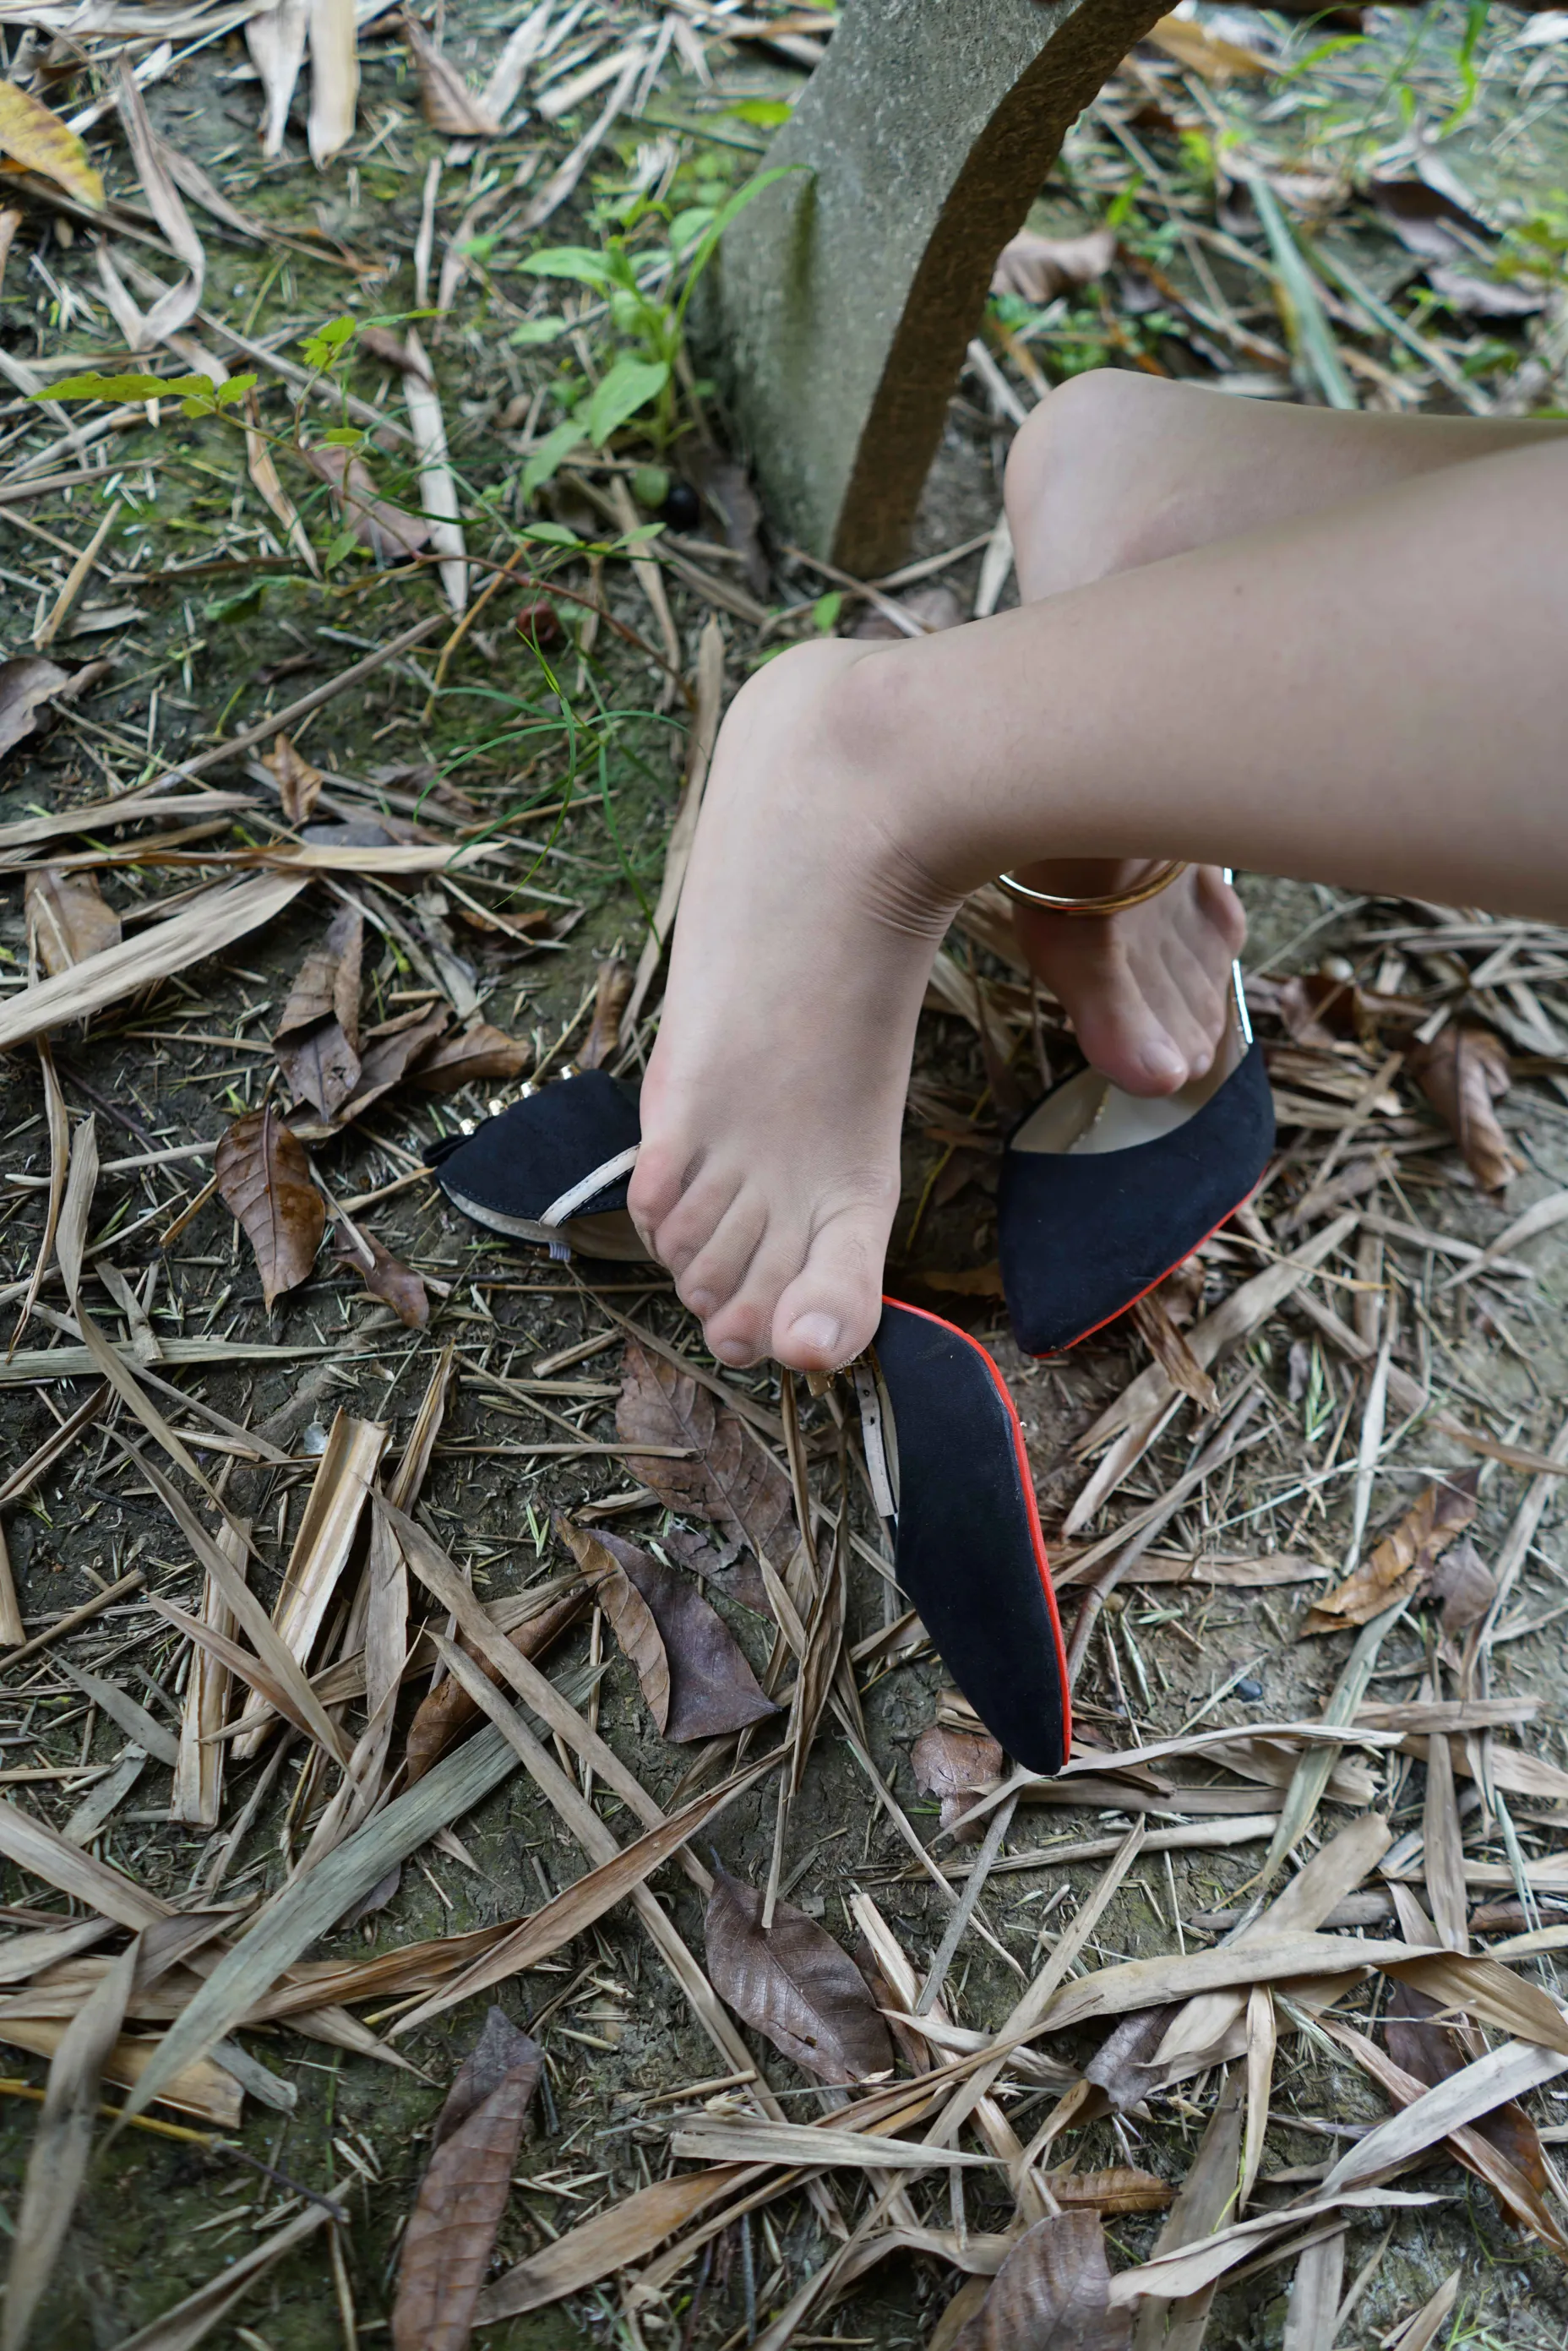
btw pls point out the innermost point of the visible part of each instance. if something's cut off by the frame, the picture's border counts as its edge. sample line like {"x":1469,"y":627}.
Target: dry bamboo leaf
{"x":612,"y":994}
{"x":437,"y":483}
{"x":1262,"y":2040}
{"x":206,"y":2090}
{"x":197,"y":1796}
{"x":449,"y":1709}
{"x":386,"y":1277}
{"x":69,"y":918}
{"x":1202,"y":52}
{"x":1202,"y":2202}
{"x":390,"y":534}
{"x":1169,"y":1349}
{"x":192,"y":2320}
{"x":214,"y":920}
{"x":445,"y":99}
{"x":1429,"y":2054}
{"x":694,"y":1672}
{"x":795,"y":1985}
{"x":26,"y":683}
{"x":57,"y":2162}
{"x":1419,"y":2333}
{"x":1462,"y":1072}
{"x":299,"y":789}
{"x":473,"y":1057}
{"x":1316,"y":2291}
{"x":730,"y":1478}
{"x":40,"y":141}
{"x":1051,"y":2293}
{"x":1491,"y":1993}
{"x":609,"y":2243}
{"x":175,"y":305}
{"x":956,"y":1766}
{"x":1403,"y":1563}
{"x":575,"y":1909}
{"x":275,"y":39}
{"x":451,"y":2231}
{"x":1118,"y":2189}
{"x":753,"y":2138}
{"x":334,"y":77}
{"x":1451,"y":2106}
{"x":264,"y":1178}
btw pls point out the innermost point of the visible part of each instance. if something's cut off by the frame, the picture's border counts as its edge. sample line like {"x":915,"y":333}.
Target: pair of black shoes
{"x":1100,"y":1195}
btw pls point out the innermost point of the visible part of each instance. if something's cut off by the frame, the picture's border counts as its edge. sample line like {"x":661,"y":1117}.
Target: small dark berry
{"x":1248,"y":1691}
{"x":683,"y":508}
{"x":540,"y":624}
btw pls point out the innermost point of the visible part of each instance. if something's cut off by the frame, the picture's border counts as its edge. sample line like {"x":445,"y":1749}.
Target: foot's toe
{"x":718,"y":1268}
{"x":682,"y":1234}
{"x":1121,"y":1035}
{"x":829,"y":1314}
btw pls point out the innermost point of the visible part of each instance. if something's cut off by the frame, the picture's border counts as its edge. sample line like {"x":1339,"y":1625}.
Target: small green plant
{"x":648,"y":290}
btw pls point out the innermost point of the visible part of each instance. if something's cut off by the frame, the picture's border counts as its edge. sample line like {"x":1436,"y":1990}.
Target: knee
{"x":1083,"y":480}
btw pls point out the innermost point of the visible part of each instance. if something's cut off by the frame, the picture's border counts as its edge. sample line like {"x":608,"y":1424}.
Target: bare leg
{"x":1114,"y":470}
{"x":1373,"y":694}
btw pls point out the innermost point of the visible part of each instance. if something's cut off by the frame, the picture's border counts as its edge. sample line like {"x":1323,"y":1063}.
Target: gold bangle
{"x":1114,"y":902}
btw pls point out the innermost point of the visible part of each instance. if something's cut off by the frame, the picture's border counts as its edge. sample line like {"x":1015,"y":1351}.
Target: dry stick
{"x":1248,"y":1397}
{"x":1001,"y":1820}
{"x":75,"y":1616}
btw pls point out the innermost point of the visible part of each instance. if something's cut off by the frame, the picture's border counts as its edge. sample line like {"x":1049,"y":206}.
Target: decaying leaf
{"x":1051,"y":2293}
{"x":1462,"y":1072}
{"x":956,"y":1765}
{"x":728,"y":1479}
{"x":452,"y":2229}
{"x":26,"y":683}
{"x":387,"y":1058}
{"x":333,"y":31}
{"x":392,"y":351}
{"x":1037,"y":269}
{"x":298,"y":783}
{"x":480,"y":1055}
{"x":1431,"y":2054}
{"x":795,"y":1984}
{"x":693,"y":1673}
{"x":264,"y":1178}
{"x":317,"y":1040}
{"x":1404,"y":1561}
{"x":611,"y":996}
{"x":386,"y":1277}
{"x":69,"y":918}
{"x":391,"y":534}
{"x":448,"y":104}
{"x":448,"y":1709}
{"x":41,"y":143}
{"x":1171,"y":1350}
{"x":1202,"y":52}
{"x":1465,"y":1584}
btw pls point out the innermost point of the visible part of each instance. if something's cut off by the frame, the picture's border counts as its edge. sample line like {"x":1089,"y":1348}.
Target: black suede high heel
{"x":1104,"y":1192}
{"x":943,"y":1445}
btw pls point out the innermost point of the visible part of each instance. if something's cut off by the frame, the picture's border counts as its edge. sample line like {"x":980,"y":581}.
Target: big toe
{"x":1124,"y":1038}
{"x":829,"y":1314}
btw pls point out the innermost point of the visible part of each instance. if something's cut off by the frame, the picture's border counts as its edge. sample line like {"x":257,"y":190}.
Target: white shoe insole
{"x":1089,"y":1115}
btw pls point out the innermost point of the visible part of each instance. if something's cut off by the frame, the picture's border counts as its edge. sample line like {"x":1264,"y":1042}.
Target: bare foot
{"x":769,"y":1172}
{"x":1147,"y":991}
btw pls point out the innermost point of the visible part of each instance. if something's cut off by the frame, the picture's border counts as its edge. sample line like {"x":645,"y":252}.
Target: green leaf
{"x":552,"y":534}
{"x":235,"y":389}
{"x":345,"y":436}
{"x":548,"y":330}
{"x":688,"y":227}
{"x":552,"y":450}
{"x":767,"y":113}
{"x":578,"y":261}
{"x":727,"y":212}
{"x":826,"y":610}
{"x":641,"y":536}
{"x":343,"y":545}
{"x":323,"y":349}
{"x":629,"y":385}
{"x":118,"y":387}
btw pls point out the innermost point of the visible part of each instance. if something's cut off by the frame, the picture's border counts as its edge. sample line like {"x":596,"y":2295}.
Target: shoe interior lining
{"x":1089,"y":1115}
{"x":611,"y":1235}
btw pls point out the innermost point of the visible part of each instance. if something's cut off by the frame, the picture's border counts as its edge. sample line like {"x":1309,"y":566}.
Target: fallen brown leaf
{"x":1120,"y":2189}
{"x":448,"y":1709}
{"x":956,"y":1765}
{"x":26,"y":683}
{"x":298,"y":783}
{"x":1051,"y":2293}
{"x":693,"y":1673}
{"x":1172,"y":1352}
{"x":1462,"y":1072}
{"x":389,"y":533}
{"x":1465,"y":1586}
{"x":317,"y":1040}
{"x":1405,"y":1559}
{"x":1037,"y":269}
{"x":68,"y":917}
{"x":264,"y":1178}
{"x":1204,"y":53}
{"x":795,"y":1984}
{"x":448,"y":104}
{"x":388,"y":1059}
{"x":731,"y":1481}
{"x":386,"y":1277}
{"x":1430,"y":2053}
{"x":473,"y":1056}
{"x":40,"y":141}
{"x":610,"y":997}
{"x":451,"y":2231}
{"x":392,"y":351}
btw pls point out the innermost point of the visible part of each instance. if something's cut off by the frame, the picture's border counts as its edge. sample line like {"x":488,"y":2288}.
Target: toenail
{"x":701,"y":1301}
{"x":817,"y":1332}
{"x":733,"y":1350}
{"x":1161,"y":1059}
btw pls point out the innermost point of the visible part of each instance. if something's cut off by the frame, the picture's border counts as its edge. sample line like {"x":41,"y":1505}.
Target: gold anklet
{"x":1114,"y":902}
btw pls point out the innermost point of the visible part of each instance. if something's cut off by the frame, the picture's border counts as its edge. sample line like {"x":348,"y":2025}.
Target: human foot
{"x":769,"y":1174}
{"x":1147,"y":991}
